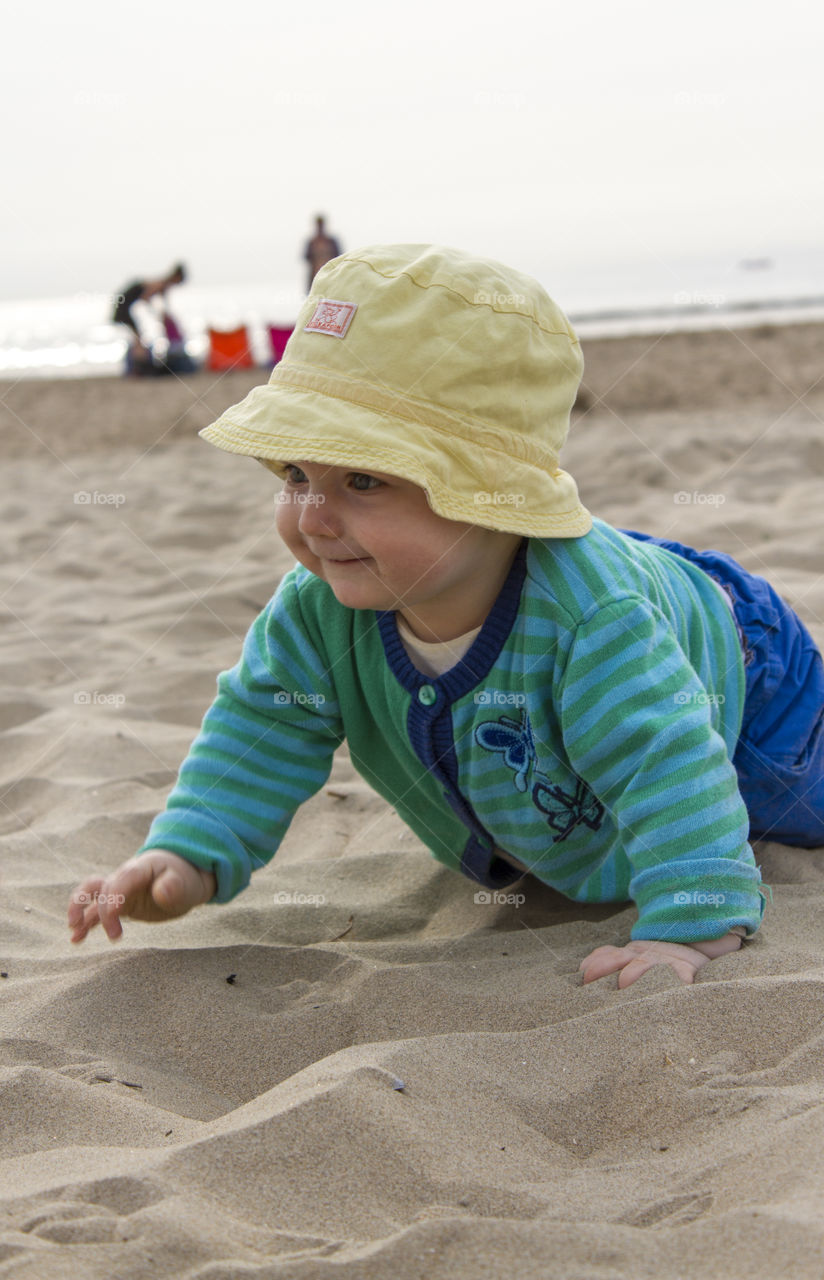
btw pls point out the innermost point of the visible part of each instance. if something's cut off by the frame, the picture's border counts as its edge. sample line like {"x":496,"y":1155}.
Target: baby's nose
{"x":317,"y":514}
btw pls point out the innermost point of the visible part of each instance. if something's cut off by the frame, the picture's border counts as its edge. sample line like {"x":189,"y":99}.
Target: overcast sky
{"x":538,"y":133}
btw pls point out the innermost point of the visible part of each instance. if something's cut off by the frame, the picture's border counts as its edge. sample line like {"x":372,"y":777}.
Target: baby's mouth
{"x":328,"y":559}
{"x":342,"y":556}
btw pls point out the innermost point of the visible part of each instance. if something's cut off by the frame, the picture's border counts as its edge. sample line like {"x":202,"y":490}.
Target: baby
{"x":530,"y":688}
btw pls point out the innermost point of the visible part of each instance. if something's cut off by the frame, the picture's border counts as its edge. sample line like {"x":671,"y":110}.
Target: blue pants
{"x":780,"y":753}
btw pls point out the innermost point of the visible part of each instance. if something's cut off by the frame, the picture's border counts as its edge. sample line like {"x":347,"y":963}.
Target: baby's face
{"x":379,"y":545}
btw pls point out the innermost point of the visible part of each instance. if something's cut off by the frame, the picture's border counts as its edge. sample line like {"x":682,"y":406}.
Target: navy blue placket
{"x":429,"y":722}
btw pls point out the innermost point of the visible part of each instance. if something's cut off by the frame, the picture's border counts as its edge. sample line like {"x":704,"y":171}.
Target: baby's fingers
{"x":603,"y":961}
{"x":633,"y":961}
{"x":640,"y":964}
{"x":111,"y":899}
{"x":82,"y":913}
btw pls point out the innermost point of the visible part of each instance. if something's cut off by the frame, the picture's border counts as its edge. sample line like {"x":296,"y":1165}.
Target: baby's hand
{"x":156,"y":885}
{"x":633,"y":960}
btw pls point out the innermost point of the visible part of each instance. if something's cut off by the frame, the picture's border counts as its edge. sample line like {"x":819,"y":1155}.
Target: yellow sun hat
{"x":418,"y":361}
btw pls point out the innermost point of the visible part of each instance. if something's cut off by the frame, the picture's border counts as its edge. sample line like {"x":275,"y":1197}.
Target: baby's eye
{"x":362,"y":481}
{"x":294,"y":475}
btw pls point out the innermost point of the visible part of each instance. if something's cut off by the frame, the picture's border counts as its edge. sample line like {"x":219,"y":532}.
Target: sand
{"x":397,"y":1082}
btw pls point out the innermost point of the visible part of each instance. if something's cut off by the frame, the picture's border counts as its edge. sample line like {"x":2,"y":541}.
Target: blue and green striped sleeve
{"x":643,"y":732}
{"x":265,"y":746}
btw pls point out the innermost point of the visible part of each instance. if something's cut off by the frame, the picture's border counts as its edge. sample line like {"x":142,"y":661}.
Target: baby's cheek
{"x":439,"y":566}
{"x":286,"y":522}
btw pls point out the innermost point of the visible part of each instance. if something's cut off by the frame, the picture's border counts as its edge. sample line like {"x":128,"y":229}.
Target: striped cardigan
{"x":588,"y":732}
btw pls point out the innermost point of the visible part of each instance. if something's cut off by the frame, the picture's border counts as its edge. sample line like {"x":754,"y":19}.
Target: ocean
{"x":72,"y":336}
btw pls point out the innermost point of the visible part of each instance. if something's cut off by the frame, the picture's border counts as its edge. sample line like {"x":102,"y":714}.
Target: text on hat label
{"x":332,"y":317}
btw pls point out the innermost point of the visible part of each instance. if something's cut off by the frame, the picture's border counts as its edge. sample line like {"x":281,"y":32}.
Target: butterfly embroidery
{"x":513,"y":738}
{"x":564,"y":811}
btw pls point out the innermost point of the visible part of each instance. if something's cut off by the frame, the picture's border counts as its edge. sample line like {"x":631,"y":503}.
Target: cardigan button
{"x":427,"y":696}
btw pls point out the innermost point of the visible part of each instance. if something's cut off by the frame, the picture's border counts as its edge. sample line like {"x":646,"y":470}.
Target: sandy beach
{"x":397,"y":1081}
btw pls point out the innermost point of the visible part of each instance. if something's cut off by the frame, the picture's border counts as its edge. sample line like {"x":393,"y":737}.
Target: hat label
{"x":331,"y":317}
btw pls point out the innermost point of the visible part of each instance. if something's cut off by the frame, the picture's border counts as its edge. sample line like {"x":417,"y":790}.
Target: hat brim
{"x":461,"y":482}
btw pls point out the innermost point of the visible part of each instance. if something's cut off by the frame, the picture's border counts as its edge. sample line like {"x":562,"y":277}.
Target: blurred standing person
{"x":320,"y":249}
{"x":139,"y":355}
